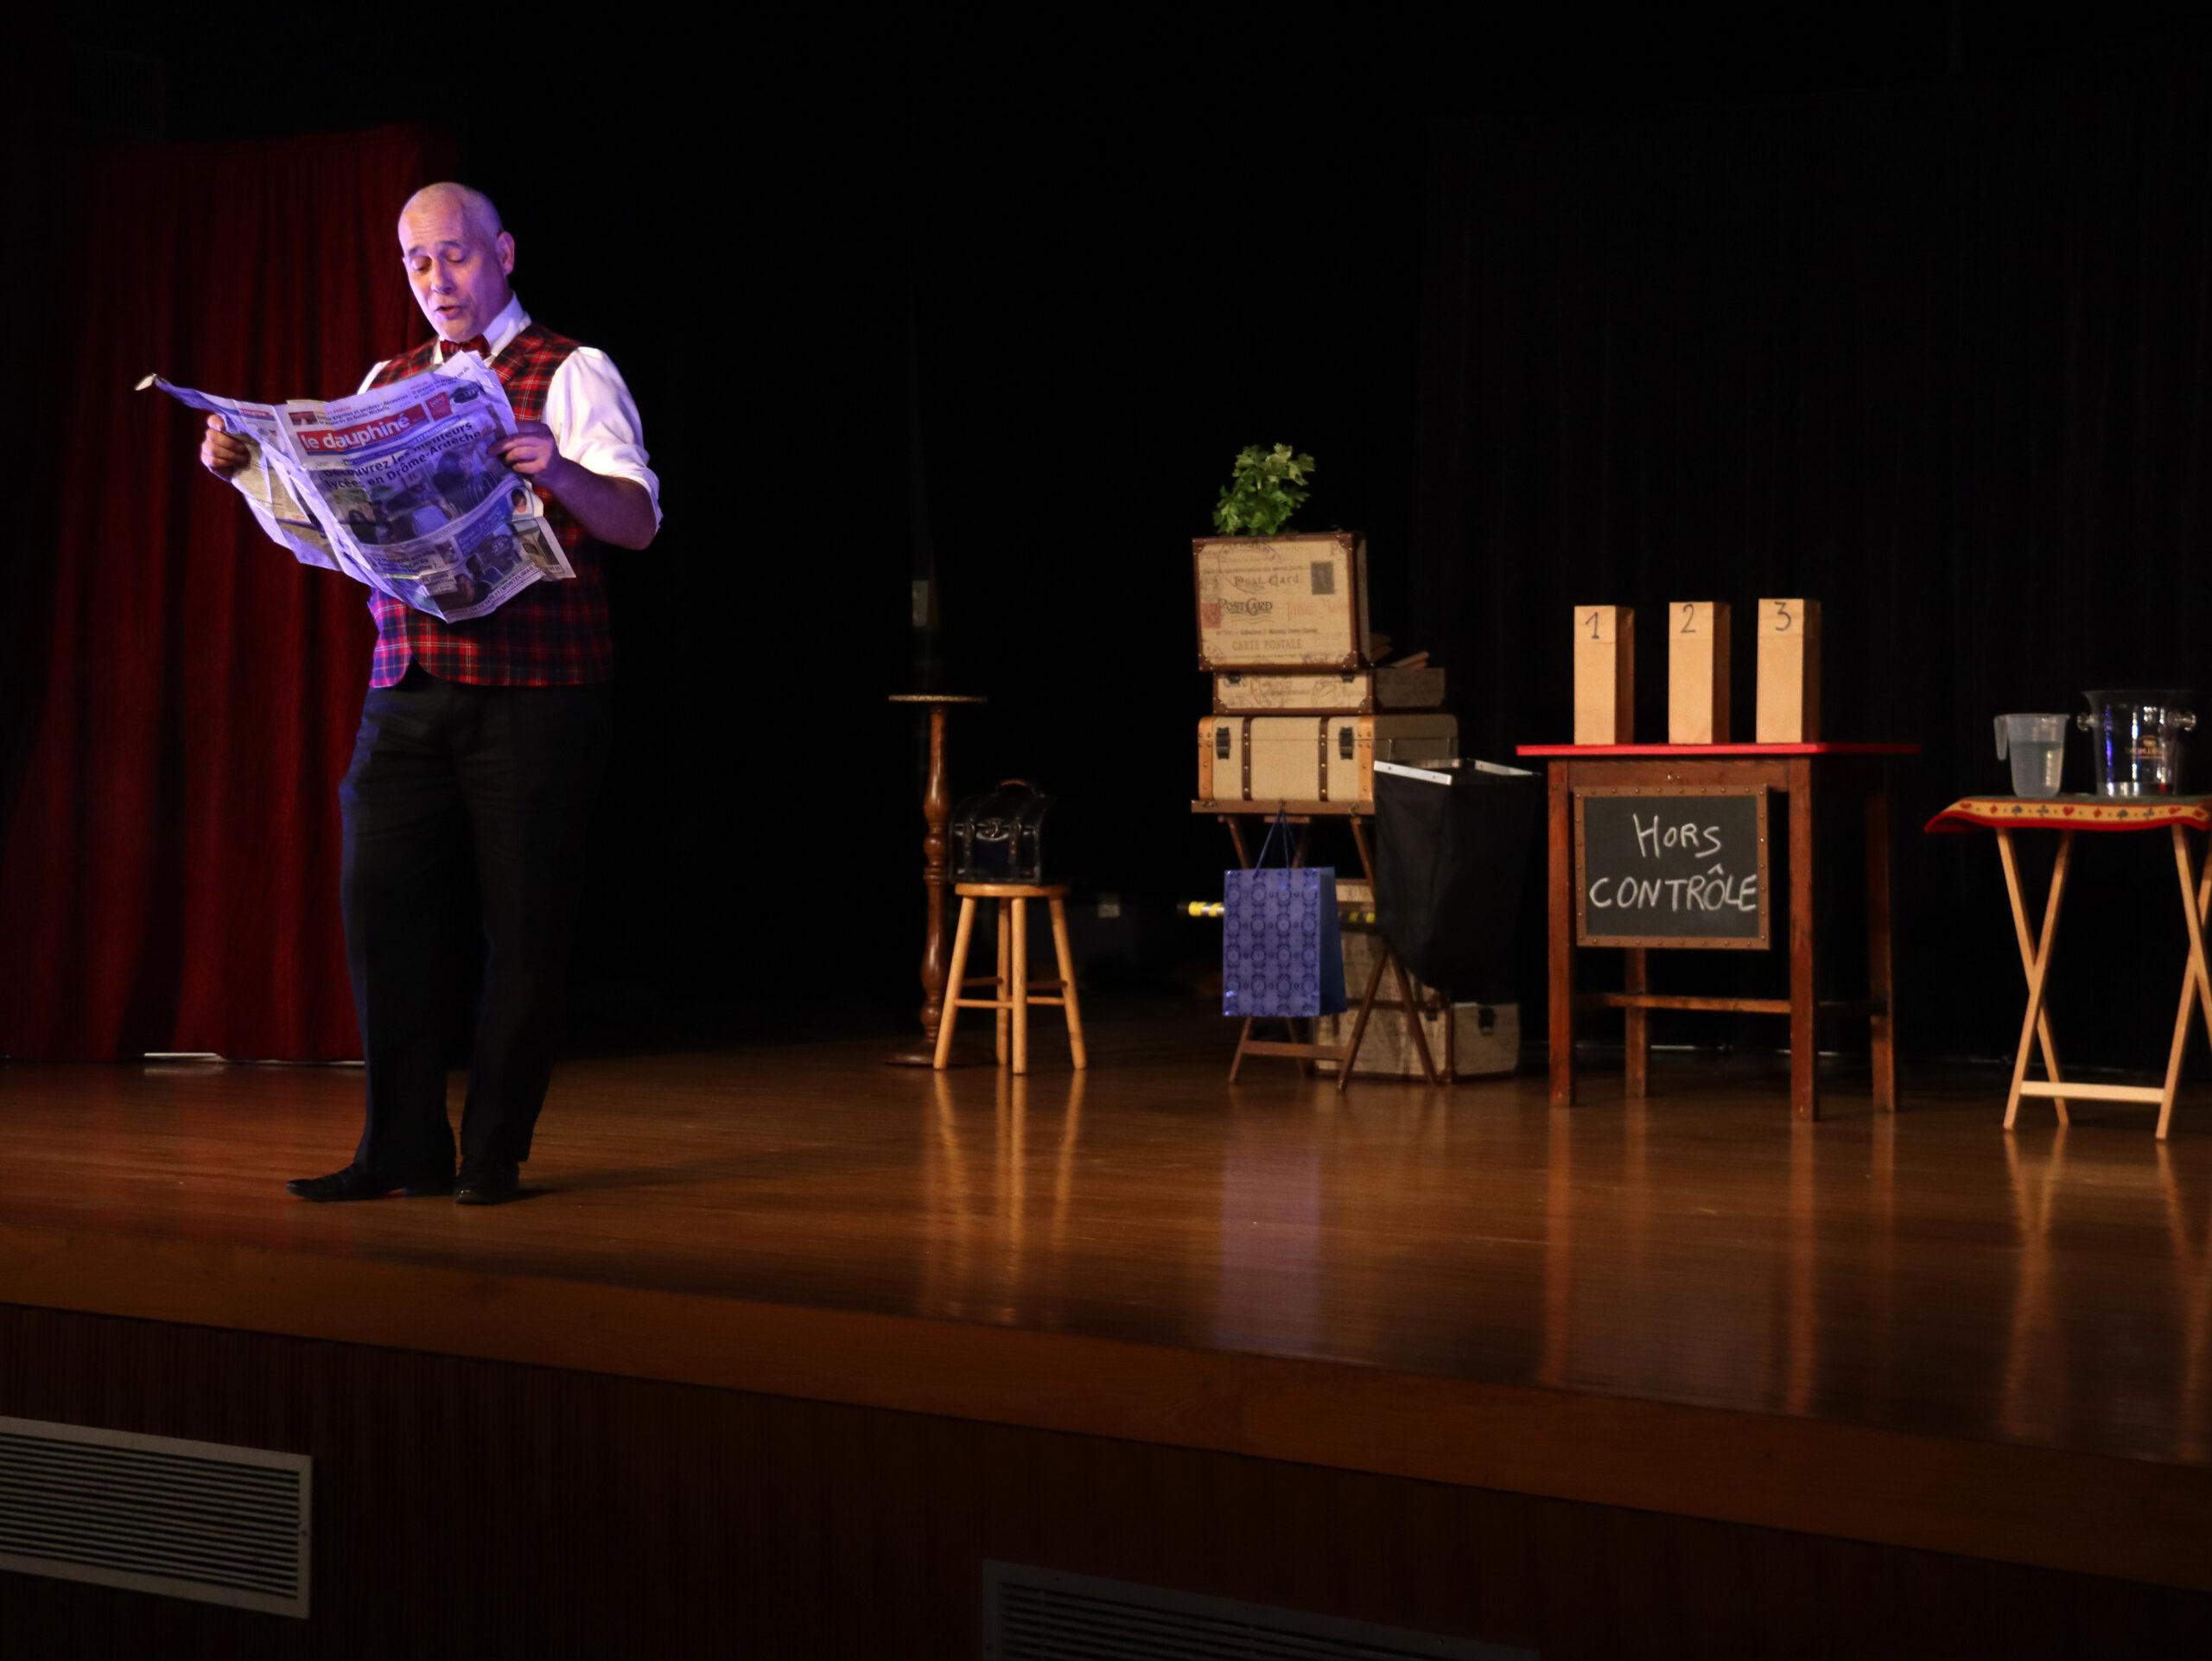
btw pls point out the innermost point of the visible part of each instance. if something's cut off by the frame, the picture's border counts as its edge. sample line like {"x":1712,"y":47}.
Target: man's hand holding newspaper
{"x":399,"y":486}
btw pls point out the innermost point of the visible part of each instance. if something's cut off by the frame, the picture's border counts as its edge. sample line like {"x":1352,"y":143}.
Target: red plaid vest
{"x":551,"y":634}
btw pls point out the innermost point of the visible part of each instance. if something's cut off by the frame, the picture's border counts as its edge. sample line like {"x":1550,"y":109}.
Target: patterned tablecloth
{"x":2074,"y":813}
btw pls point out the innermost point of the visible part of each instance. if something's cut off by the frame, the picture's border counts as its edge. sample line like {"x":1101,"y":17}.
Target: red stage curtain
{"x":169,"y":876}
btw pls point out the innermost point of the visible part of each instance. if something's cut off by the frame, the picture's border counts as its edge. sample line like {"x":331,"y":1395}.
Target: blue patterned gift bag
{"x":1281,"y":951}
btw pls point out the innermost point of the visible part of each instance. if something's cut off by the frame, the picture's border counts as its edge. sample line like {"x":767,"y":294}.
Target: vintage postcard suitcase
{"x":1281,"y":602}
{"x":1311,"y":758}
{"x":1349,"y":691}
{"x":1470,"y":1040}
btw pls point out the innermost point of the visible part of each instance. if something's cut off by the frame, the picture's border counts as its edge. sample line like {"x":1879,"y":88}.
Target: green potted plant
{"x":1265,"y":489}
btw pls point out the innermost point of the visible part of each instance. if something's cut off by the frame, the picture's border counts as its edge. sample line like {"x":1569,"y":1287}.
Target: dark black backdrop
{"x":1910,"y":314}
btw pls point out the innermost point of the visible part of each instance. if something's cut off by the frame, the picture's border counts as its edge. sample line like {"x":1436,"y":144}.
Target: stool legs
{"x":1002,"y":1018}
{"x":1020,"y":983}
{"x":1009,"y":981}
{"x":954,"y":980}
{"x":1066,"y":956}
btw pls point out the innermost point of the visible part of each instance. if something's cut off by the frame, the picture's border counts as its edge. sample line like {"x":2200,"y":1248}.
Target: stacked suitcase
{"x":1301,"y":710}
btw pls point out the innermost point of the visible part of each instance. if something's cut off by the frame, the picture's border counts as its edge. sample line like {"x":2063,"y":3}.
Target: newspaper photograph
{"x":397,"y":487}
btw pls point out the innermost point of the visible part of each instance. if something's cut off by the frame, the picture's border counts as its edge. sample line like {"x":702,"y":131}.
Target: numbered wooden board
{"x":1351,"y":692}
{"x":1604,"y":675}
{"x":1789,"y":672}
{"x":1697,"y":671}
{"x":1281,"y":602}
{"x":1671,"y":865}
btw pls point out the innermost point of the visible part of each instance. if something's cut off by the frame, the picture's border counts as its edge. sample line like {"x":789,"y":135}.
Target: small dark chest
{"x":999,"y":836}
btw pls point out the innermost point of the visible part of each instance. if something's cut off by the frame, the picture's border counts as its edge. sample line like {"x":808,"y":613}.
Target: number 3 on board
{"x":1789,"y":672}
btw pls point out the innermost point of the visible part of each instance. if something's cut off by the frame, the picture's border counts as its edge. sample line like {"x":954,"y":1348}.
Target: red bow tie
{"x":479,"y":345}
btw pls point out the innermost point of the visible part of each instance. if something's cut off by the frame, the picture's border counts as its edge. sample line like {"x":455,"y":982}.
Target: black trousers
{"x":444,"y":775}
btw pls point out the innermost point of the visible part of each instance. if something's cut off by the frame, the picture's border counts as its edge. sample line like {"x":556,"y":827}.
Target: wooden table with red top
{"x":2068,"y":815}
{"x":1804,"y":773}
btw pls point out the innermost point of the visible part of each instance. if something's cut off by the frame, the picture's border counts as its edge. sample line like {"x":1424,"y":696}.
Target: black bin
{"x":1452,"y":857}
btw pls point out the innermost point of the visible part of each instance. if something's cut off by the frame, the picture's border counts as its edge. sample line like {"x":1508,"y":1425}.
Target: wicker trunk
{"x":1312,"y":758}
{"x":1351,"y":692}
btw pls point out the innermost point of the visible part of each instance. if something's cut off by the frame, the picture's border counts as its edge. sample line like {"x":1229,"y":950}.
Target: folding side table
{"x":1303,"y":1052}
{"x":2068,"y":815}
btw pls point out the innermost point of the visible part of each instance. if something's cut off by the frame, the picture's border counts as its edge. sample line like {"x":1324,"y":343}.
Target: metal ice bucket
{"x":2136,"y":734}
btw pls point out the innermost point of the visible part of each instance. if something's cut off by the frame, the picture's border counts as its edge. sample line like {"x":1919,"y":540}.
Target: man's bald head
{"x":480,"y":212}
{"x":458,"y":257}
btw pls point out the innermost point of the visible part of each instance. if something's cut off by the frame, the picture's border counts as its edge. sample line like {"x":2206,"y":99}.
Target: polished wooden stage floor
{"x":1915,"y":1330}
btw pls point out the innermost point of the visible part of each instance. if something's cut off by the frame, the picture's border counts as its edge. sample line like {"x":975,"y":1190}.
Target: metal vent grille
{"x":190,"y":1520}
{"x":1041,"y":1615}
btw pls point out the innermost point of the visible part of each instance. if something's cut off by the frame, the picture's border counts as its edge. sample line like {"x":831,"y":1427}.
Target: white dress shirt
{"x":589,"y":407}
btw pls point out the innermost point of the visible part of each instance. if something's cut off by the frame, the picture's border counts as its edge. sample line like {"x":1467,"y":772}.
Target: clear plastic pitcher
{"x":2037,"y":748}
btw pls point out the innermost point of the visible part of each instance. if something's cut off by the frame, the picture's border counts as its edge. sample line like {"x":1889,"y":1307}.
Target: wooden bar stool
{"x":1011,"y":992}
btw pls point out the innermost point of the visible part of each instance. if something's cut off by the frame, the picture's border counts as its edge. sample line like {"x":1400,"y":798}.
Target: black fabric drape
{"x":1937,"y":355}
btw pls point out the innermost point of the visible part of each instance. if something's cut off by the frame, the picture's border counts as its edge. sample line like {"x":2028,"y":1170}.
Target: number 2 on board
{"x":1689,"y":617}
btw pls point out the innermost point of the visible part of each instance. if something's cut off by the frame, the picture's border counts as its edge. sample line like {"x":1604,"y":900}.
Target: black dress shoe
{"x":486,"y":1182}
{"x":358,"y":1183}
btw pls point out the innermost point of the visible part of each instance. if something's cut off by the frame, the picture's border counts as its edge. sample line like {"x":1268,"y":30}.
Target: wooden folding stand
{"x":1305,"y":1051}
{"x":2178,"y":815}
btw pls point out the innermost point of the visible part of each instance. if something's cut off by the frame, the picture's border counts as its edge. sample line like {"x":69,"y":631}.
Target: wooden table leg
{"x":936,"y":814}
{"x":1366,"y":855}
{"x":2006,"y":857}
{"x":1413,"y":1016}
{"x":2038,"y":975}
{"x":1559,"y":839}
{"x":1244,"y":863}
{"x":1359,"y":1022}
{"x":1414,"y":1032}
{"x":1804,"y":999}
{"x":1638,"y":1042}
{"x":1243,"y":1037}
{"x":1881,"y":979}
{"x":2196,"y":980}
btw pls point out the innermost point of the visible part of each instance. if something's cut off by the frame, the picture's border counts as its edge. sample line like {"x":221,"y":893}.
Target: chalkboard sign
{"x":1671,"y":865}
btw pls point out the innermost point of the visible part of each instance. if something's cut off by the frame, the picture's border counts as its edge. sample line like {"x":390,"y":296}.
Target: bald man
{"x":483,"y":740}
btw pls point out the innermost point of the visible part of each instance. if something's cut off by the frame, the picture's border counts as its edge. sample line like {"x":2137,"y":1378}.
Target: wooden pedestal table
{"x":2176,"y":815}
{"x":937,"y":873}
{"x":1804,"y":775}
{"x":1232,"y":814}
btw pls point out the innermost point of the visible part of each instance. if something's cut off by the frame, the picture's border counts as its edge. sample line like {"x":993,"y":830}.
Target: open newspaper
{"x":397,"y":487}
